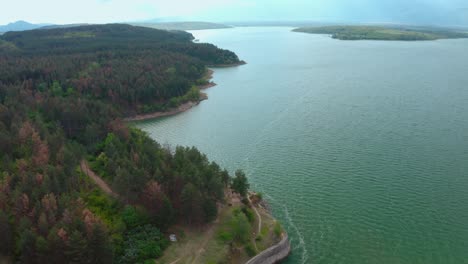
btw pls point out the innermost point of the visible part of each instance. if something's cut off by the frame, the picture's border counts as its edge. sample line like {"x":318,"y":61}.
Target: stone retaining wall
{"x":274,"y":254}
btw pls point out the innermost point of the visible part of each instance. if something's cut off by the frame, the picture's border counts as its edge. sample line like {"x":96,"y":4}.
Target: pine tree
{"x":42,"y":249}
{"x":191,"y":203}
{"x":76,"y":251}
{"x":167,"y":214}
{"x":240,"y":183}
{"x":99,"y":246}
{"x":27,"y":246}
{"x":6,"y":234}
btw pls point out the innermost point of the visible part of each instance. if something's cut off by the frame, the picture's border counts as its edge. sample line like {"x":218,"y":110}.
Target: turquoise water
{"x":361,"y":147}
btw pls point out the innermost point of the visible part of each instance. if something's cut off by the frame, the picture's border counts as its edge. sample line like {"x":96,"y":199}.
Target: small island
{"x":384,"y":33}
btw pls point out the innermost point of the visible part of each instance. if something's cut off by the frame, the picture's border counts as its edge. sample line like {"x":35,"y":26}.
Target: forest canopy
{"x":63,"y":95}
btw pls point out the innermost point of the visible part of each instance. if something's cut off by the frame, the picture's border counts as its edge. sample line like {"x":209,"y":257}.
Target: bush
{"x":278,"y":229}
{"x":250,"y":250}
{"x":134,"y":216}
{"x":260,"y":196}
{"x":225,"y":236}
{"x":240,"y":228}
{"x":249,"y":214}
{"x":142,"y":244}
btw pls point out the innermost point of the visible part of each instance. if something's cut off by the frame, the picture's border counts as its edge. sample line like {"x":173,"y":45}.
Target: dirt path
{"x":207,"y":237}
{"x":259,"y":229}
{"x":99,"y":182}
{"x":259,"y":217}
{"x":175,"y":261}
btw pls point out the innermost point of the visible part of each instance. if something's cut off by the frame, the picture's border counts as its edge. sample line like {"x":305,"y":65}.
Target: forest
{"x":63,"y":95}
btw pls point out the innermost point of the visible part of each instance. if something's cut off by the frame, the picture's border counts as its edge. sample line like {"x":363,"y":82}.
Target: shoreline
{"x":188,"y":105}
{"x":240,"y":63}
{"x":174,"y":111}
{"x":275,"y":253}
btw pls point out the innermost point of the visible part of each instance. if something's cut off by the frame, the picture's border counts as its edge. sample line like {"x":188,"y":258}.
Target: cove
{"x":360,"y":147}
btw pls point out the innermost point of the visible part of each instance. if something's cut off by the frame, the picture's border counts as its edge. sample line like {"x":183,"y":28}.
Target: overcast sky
{"x":449,"y":12}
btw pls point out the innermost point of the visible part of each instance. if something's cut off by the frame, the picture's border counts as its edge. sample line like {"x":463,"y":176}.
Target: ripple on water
{"x":360,"y":147}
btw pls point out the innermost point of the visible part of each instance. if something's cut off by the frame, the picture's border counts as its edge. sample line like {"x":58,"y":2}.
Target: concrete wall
{"x":274,"y":254}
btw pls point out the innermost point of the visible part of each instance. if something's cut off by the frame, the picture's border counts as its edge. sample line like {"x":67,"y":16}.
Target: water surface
{"x":361,"y":147}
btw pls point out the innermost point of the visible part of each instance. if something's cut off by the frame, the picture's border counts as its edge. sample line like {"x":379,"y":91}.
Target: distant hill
{"x":64,"y":26}
{"x":20,"y":26}
{"x":182,"y":25}
{"x":407,"y":33}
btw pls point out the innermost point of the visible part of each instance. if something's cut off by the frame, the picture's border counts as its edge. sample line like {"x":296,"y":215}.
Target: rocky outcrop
{"x":274,"y":254}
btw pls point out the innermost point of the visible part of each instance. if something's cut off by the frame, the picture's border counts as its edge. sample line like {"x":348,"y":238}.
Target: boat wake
{"x":300,"y":245}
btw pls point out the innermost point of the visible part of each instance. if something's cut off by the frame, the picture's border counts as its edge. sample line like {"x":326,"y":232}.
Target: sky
{"x":442,"y":12}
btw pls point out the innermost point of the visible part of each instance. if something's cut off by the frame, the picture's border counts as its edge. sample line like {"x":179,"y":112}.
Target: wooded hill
{"x":63,"y":94}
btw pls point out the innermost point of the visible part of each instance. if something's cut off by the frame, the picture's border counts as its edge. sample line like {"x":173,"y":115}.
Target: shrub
{"x":250,"y":250}
{"x":278,"y":229}
{"x":225,"y":236}
{"x":249,"y":214}
{"x":142,"y":244}
{"x":134,"y":216}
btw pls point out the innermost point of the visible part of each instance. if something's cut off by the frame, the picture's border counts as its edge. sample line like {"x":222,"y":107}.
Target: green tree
{"x":6,"y":234}
{"x":56,"y":89}
{"x":133,"y":216}
{"x":240,"y":184}
{"x":191,"y":203}
{"x":43,"y":224}
{"x":76,"y":251}
{"x":56,"y":246}
{"x":26,"y":246}
{"x":166,"y":216}
{"x":100,"y":250}
{"x":240,"y":227}
{"x":210,"y":210}
{"x":143,"y":243}
{"x":42,"y":249}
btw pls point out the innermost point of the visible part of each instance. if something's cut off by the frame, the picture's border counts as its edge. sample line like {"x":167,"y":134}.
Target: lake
{"x":360,"y":147}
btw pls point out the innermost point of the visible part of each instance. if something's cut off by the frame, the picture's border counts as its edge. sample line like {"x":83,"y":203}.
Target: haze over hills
{"x":195,"y":25}
{"x":20,"y":26}
{"x":154,"y":23}
{"x":416,"y":12}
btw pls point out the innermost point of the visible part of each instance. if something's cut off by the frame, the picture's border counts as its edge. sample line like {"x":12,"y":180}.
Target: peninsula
{"x":394,"y":33}
{"x":79,"y":184}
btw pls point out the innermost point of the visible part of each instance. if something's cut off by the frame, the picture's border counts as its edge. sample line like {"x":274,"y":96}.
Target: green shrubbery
{"x":143,"y":243}
{"x":278,"y":229}
{"x":237,"y":228}
{"x":249,"y":214}
{"x":250,"y":250}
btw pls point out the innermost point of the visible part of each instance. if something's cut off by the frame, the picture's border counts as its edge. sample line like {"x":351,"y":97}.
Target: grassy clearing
{"x":7,"y":46}
{"x":232,"y":238}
